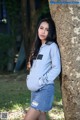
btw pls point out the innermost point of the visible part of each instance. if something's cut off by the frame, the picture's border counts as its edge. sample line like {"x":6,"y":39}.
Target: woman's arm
{"x":51,"y":75}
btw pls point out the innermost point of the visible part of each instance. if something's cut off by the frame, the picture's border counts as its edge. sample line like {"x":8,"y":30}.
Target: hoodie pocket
{"x":33,"y":83}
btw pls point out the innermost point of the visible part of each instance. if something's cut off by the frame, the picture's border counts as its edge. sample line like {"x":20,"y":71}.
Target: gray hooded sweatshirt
{"x":46,"y":67}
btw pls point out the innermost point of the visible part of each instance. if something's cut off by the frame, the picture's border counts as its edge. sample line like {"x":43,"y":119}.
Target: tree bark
{"x":29,"y":19}
{"x":34,"y":19}
{"x":67,"y":20}
{"x":25,"y":26}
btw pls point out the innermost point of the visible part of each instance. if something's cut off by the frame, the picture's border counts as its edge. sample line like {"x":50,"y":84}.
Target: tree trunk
{"x":29,"y":19}
{"x":33,"y":18}
{"x":67,"y":20}
{"x":25,"y":26}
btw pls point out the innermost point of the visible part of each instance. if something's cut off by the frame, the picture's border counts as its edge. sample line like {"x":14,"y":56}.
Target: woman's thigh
{"x":32,"y":114}
{"x":42,"y":116}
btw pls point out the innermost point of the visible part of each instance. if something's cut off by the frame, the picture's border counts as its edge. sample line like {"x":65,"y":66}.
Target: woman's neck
{"x":43,"y":42}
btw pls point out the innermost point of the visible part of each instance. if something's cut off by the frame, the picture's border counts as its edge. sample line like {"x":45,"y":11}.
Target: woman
{"x":45,"y":67}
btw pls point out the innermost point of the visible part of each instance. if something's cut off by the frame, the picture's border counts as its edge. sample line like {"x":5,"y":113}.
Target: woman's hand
{"x":28,"y":66}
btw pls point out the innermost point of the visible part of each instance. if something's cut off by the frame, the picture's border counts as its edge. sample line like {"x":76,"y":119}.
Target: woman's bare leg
{"x":42,"y":116}
{"x":32,"y":114}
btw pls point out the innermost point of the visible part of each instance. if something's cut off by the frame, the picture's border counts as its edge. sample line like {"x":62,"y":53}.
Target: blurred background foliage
{"x":18,"y":20}
{"x":6,"y":43}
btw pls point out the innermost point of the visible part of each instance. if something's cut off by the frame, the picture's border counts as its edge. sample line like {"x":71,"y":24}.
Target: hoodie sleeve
{"x":51,"y":75}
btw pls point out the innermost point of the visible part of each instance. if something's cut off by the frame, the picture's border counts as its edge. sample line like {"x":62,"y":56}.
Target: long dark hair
{"x":51,"y":37}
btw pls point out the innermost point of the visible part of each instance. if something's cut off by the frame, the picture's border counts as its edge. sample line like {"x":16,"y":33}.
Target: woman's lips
{"x":42,"y":35}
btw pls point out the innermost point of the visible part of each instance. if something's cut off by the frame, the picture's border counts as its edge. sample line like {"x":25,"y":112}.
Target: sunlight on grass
{"x":17,"y":107}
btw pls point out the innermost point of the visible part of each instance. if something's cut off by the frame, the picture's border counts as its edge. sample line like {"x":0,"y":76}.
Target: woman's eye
{"x":44,"y":28}
{"x":41,"y":28}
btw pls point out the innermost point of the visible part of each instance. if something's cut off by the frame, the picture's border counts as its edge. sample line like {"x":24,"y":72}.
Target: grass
{"x":15,"y":97}
{"x":13,"y":93}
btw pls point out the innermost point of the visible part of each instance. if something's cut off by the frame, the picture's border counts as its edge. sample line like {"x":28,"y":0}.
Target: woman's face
{"x":43,"y":31}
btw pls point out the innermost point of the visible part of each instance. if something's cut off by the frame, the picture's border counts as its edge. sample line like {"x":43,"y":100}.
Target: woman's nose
{"x":43,"y":31}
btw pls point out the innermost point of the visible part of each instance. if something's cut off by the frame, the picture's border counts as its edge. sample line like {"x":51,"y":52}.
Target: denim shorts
{"x":43,"y":98}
